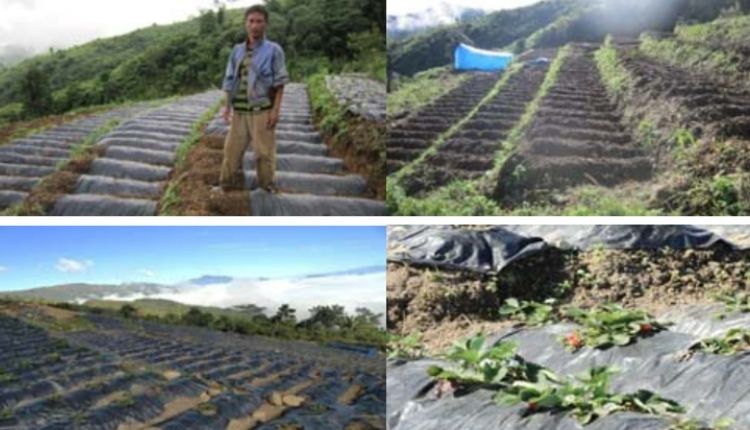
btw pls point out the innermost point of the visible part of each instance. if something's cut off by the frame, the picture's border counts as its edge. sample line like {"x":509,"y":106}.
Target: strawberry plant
{"x":734,"y":341}
{"x":478,"y":363}
{"x":587,"y":397}
{"x":607,"y":326}
{"x":734,"y":303}
{"x":408,"y":347}
{"x":528,"y":312}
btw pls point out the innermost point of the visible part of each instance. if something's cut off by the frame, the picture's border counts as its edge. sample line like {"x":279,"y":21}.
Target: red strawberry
{"x":574,"y":340}
{"x":646,"y":328}
{"x":532,"y":406}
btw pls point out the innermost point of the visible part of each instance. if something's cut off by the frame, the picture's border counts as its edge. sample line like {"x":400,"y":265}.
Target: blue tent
{"x":470,"y":58}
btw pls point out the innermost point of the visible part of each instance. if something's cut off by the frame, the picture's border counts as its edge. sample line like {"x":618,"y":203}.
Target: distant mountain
{"x":82,"y":292}
{"x":12,"y":54}
{"x":400,"y":26}
{"x":200,"y":290}
{"x":209,"y":280}
{"x":356,"y":271}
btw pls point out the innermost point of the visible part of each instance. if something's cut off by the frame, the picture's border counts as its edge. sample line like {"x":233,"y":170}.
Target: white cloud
{"x":417,"y":6}
{"x":350,"y":291}
{"x":3,"y":269}
{"x":68,"y":265}
{"x":148,"y":273}
{"x":40,"y":24}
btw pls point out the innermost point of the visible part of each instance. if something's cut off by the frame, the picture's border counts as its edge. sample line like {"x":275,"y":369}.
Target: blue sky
{"x":41,"y":256}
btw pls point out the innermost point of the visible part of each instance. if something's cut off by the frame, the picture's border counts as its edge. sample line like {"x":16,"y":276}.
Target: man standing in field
{"x":254,"y":82}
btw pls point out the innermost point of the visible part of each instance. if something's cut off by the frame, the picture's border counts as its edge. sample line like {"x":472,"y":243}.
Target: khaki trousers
{"x":246,"y":129}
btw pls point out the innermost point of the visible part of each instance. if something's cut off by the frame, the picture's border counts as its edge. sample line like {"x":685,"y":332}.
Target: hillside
{"x":190,"y":56}
{"x":652,"y":119}
{"x":64,"y":368}
{"x":551,"y":23}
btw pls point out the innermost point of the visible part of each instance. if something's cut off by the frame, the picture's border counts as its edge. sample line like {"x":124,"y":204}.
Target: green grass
{"x":414,"y":93}
{"x":614,"y":75}
{"x":171,"y":198}
{"x":691,"y":56}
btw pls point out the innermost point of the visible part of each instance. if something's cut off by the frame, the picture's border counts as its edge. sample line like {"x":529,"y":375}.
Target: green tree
{"x":196,"y":317}
{"x":366,"y":317}
{"x":35,"y":90}
{"x":285,"y":315}
{"x":208,"y":22}
{"x":128,"y":311}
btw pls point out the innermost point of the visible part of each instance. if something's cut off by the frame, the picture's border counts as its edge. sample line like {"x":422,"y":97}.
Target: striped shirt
{"x":240,"y":102}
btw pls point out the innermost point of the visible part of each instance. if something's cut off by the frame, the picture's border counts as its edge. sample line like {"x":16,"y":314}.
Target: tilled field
{"x":407,"y":140}
{"x":470,"y":152}
{"x":577,"y":137}
{"x":139,"y":155}
{"x":707,"y":105}
{"x":311,"y":182}
{"x":125,"y":376}
{"x":25,"y":162}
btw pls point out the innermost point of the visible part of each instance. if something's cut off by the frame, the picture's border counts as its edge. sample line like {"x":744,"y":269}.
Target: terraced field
{"x":25,"y":162}
{"x":577,"y":137}
{"x":407,"y":140}
{"x":311,"y":182}
{"x":130,"y":376}
{"x":708,"y":105}
{"x":469,"y":152}
{"x":138,"y":157}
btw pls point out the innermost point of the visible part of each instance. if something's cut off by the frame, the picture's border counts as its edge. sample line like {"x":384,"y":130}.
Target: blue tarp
{"x":470,"y":58}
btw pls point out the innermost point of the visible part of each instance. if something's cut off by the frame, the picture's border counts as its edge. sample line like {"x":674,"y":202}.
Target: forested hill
{"x":552,"y":23}
{"x":189,"y":56}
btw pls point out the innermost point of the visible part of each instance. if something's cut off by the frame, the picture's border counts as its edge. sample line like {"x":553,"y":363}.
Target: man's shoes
{"x":271,"y":189}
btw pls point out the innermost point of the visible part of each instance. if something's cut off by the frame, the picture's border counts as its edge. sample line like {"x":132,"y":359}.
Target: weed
{"x":529,"y":312}
{"x":607,"y":326}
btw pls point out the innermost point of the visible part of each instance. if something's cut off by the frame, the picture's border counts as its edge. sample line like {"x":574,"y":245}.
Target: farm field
{"x":564,"y":327}
{"x":654,"y":122}
{"x":66,"y":369}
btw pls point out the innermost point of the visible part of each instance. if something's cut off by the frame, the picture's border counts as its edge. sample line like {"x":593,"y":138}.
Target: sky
{"x":43,"y":256}
{"x":41,"y":24}
{"x":405,"y":7}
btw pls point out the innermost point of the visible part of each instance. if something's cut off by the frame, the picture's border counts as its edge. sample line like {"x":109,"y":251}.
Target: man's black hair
{"x":258,"y":8}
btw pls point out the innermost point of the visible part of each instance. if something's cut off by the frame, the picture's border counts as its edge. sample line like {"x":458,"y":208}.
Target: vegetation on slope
{"x":191,"y":56}
{"x":408,"y":95}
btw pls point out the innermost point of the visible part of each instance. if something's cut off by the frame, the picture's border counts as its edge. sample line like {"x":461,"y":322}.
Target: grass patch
{"x":614,"y":75}
{"x":171,"y":199}
{"x":693,"y":56}
{"x":414,"y":93}
{"x":359,"y":142}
